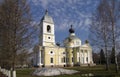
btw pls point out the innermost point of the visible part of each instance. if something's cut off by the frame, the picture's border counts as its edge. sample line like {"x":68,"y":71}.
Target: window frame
{"x":51,"y":60}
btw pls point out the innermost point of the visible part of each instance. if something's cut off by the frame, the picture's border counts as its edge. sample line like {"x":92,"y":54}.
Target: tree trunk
{"x":107,"y":63}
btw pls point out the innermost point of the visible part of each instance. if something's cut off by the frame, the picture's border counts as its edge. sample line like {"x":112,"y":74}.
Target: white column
{"x":14,"y":73}
{"x":58,"y":56}
{"x":91,"y":59}
{"x":9,"y":73}
{"x":5,"y":72}
{"x":79,"y":56}
{"x":84,"y":56}
{"x":87,"y":57}
{"x":39,"y":58}
{"x":1,"y":70}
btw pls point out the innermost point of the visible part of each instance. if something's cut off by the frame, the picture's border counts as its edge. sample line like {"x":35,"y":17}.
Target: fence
{"x":8,"y":73}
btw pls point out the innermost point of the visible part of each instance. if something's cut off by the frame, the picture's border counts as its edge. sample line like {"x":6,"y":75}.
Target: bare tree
{"x":99,"y":30}
{"x":22,"y":58}
{"x":114,"y":17}
{"x":96,"y":58}
{"x":107,"y":16}
{"x":16,"y":31}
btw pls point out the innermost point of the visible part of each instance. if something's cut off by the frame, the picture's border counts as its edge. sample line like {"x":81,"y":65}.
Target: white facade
{"x":47,"y":53}
{"x":47,"y":36}
{"x":75,"y":41}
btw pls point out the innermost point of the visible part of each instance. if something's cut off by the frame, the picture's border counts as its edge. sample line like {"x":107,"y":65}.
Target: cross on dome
{"x":46,"y":12}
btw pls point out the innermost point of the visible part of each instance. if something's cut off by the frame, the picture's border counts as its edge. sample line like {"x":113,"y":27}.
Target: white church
{"x":47,"y":53}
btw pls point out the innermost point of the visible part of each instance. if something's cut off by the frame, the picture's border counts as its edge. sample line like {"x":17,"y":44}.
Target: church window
{"x":87,"y":59}
{"x":64,"y":60}
{"x":51,"y":52}
{"x":48,"y":28}
{"x":72,"y":59}
{"x":51,"y":60}
{"x":82,"y":51}
{"x":63,"y":52}
{"x":48,"y":37}
{"x":79,"y":59}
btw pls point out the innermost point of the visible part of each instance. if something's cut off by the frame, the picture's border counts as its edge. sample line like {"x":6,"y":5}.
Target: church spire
{"x":46,"y":12}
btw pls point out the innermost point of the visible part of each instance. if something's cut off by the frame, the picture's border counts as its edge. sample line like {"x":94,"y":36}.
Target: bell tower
{"x":47,"y":34}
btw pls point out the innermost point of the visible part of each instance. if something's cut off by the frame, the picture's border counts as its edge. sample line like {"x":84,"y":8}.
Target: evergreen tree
{"x":102,"y":57}
{"x":118,"y":56}
{"x":112,"y":56}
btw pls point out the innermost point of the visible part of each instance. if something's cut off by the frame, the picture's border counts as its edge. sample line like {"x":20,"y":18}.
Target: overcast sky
{"x":64,"y":13}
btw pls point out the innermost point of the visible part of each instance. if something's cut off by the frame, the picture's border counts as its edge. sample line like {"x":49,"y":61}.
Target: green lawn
{"x":97,"y":71}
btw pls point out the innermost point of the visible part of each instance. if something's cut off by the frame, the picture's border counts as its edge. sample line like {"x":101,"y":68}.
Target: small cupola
{"x":47,"y":17}
{"x":71,"y":30}
{"x":72,"y":40}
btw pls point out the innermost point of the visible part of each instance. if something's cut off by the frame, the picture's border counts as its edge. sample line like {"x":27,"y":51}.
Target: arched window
{"x":48,"y":28}
{"x":64,"y":53}
{"x":51,"y":60}
{"x":64,"y":59}
{"x":72,"y":59}
{"x":87,"y":59}
{"x":82,"y":51}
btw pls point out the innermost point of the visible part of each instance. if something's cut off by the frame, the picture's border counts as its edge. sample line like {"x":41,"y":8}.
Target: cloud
{"x":36,"y":2}
{"x":67,"y":12}
{"x":87,"y":21}
{"x":34,"y":23}
{"x":46,"y":3}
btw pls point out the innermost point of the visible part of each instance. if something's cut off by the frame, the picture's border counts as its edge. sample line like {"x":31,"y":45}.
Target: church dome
{"x":72,"y":40}
{"x":71,"y":30}
{"x":47,"y":18}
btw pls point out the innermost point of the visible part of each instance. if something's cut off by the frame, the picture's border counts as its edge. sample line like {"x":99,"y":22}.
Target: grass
{"x":98,"y":71}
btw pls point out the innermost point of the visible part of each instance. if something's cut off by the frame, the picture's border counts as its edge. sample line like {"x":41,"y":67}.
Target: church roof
{"x":47,"y":18}
{"x":86,"y":45}
{"x":73,"y":40}
{"x":72,"y":34}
